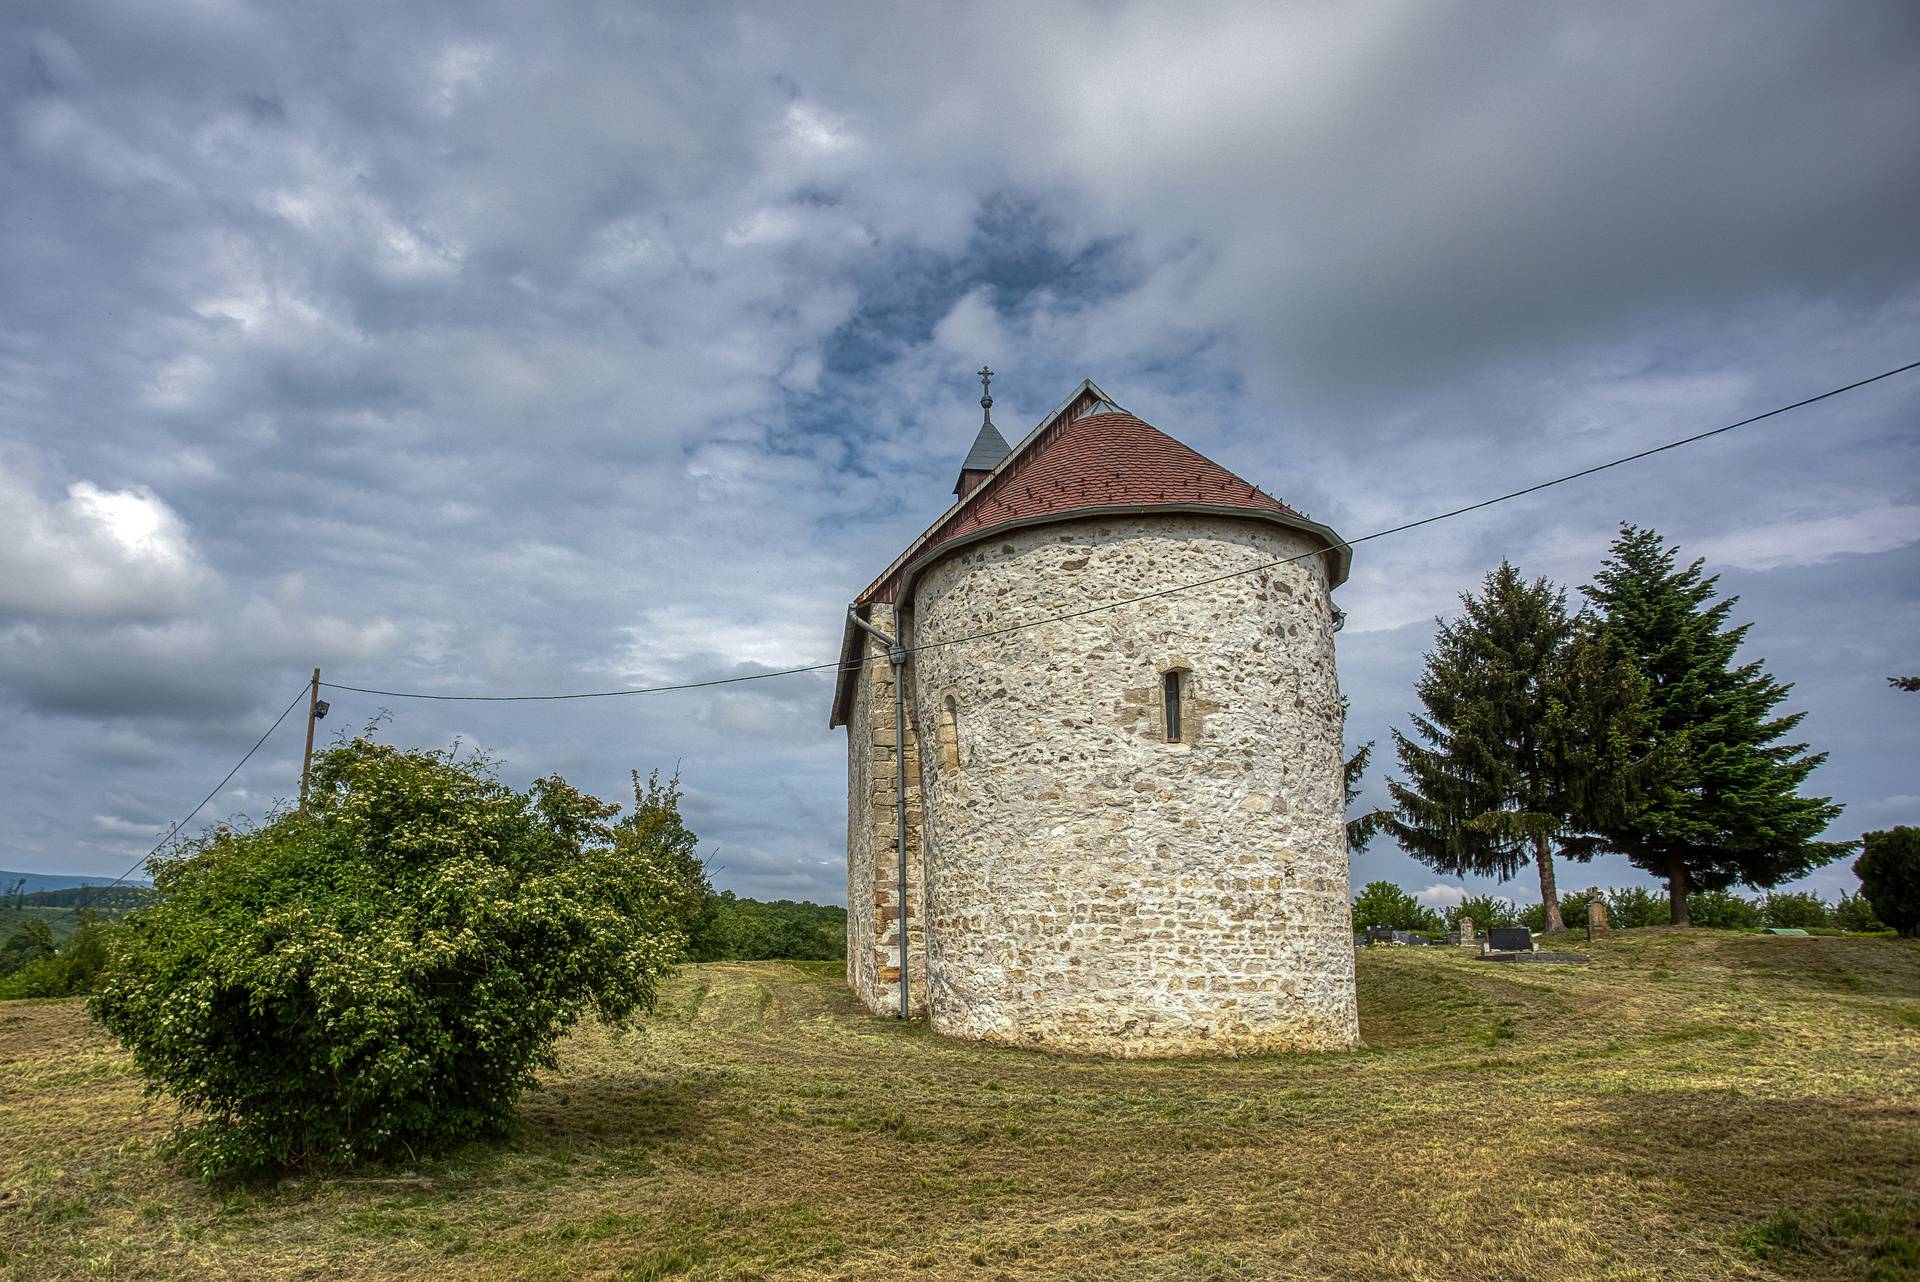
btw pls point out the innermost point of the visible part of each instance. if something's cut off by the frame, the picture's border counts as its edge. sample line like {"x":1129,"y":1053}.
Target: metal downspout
{"x":897,"y":656}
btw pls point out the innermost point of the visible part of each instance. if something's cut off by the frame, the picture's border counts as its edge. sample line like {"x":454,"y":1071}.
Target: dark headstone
{"x":1509,"y":939}
{"x":1403,"y":937}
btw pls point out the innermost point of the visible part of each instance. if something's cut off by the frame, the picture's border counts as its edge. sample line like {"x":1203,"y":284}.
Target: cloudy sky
{"x":509,"y":348}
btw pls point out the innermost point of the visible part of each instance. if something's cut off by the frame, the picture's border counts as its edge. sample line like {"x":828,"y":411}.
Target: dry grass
{"x":1691,"y":1106}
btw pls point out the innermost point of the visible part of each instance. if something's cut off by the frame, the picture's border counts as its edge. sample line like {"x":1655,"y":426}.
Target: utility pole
{"x":315,"y":711}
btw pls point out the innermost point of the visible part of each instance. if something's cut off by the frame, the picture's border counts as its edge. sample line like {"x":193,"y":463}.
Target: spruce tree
{"x":1361,"y":829}
{"x":1526,"y":741}
{"x":1721,"y":804}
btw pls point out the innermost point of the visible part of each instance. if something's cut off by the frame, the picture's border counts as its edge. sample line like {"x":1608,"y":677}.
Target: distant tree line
{"x":100,"y":897}
{"x":33,"y":965}
{"x":735,"y":929}
{"x":1382,"y":903}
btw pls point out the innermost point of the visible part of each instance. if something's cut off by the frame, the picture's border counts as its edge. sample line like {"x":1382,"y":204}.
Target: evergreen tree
{"x":1889,"y":872}
{"x":1361,"y":829}
{"x":1527,"y":738}
{"x":1723,"y":805}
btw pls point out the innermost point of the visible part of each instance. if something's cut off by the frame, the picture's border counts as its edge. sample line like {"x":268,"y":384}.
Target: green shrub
{"x":1381,"y":903}
{"x":32,"y":942}
{"x":1722,"y":910}
{"x":1854,"y":913}
{"x":734,"y":929}
{"x":1889,"y":872}
{"x":1485,"y":910}
{"x":72,"y":969}
{"x":1573,"y":911}
{"x":1637,"y":907}
{"x":384,"y":973}
{"x":654,"y":834}
{"x":1796,"y":908}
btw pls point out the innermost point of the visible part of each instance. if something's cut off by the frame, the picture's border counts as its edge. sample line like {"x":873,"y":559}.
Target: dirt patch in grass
{"x":1689,"y":1106}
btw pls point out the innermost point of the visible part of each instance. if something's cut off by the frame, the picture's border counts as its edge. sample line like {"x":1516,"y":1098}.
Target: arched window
{"x":1172,"y":689}
{"x":949,"y":734}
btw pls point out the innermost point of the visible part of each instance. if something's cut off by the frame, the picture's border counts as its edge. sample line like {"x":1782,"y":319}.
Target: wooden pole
{"x":306,"y":766}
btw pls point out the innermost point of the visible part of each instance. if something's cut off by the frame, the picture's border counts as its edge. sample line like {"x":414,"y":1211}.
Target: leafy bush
{"x":1381,"y":903}
{"x":1853,"y":912}
{"x":1796,"y":908}
{"x":1722,"y":910}
{"x":654,"y":835}
{"x":1485,"y":910}
{"x":73,"y":968}
{"x":1637,"y":907}
{"x":387,"y":971}
{"x":1573,"y":911}
{"x":733,"y":929}
{"x":32,"y":942}
{"x":1889,"y":872}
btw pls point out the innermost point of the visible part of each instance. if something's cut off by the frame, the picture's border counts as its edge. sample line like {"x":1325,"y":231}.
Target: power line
{"x":591,"y":694}
{"x":204,"y":800}
{"x":1145,"y":596}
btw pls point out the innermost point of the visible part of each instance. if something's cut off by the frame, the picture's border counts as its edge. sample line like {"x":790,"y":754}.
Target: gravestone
{"x":1466,"y":931}
{"x":1560,"y":959}
{"x":1596,"y":914}
{"x":1509,"y":939}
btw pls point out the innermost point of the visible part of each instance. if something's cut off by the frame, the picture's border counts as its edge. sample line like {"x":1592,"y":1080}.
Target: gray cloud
{"x":519,"y":350}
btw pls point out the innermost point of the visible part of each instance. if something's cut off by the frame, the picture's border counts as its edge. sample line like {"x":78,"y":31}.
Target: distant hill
{"x":36,"y":881}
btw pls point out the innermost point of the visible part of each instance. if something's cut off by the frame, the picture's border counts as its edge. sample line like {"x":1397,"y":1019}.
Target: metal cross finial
{"x":986,"y":392}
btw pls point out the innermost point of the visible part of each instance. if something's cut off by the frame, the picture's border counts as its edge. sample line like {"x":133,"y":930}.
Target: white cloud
{"x":1441,"y":895}
{"x":972,"y":329}
{"x":1813,"y":540}
{"x":98,"y":555}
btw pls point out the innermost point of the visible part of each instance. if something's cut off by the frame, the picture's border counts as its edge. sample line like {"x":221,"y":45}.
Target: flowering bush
{"x":387,"y":971}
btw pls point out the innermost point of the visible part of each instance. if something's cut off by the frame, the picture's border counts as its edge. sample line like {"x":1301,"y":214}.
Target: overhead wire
{"x":1143,"y":596}
{"x":1010,"y":628}
{"x":182,"y":823}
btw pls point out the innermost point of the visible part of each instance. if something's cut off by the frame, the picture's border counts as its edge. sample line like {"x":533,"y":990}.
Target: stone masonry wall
{"x":873,"y":878}
{"x":1090,"y":886}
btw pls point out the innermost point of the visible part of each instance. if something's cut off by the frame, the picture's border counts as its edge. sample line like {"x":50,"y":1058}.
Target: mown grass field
{"x":1690,"y":1106}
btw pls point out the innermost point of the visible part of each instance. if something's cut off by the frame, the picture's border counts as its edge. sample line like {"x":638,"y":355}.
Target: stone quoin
{"x":1126,"y":827}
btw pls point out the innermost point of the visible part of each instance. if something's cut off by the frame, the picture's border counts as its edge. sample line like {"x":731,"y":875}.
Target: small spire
{"x":989,"y":447}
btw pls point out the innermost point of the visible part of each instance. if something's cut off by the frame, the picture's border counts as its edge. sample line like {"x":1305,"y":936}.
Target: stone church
{"x":1124,"y":829}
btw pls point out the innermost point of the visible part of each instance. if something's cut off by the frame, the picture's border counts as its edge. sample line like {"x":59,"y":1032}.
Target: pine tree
{"x":1527,"y":738}
{"x":1361,"y":829}
{"x":1721,"y":804}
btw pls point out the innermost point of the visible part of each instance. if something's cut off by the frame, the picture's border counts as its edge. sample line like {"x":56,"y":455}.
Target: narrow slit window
{"x":949,"y":734}
{"x":1170,"y":694}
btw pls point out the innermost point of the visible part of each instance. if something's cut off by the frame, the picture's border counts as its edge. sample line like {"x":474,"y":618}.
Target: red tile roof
{"x":1102,"y":460}
{"x":1088,"y":456}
